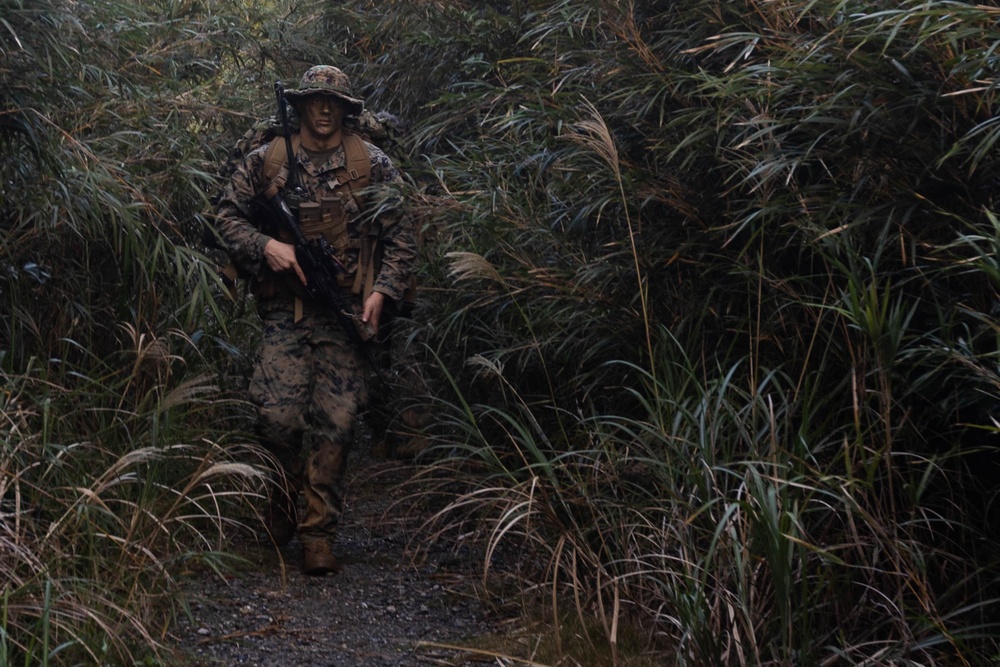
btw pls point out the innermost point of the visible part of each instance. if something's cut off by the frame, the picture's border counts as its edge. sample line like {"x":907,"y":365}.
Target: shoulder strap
{"x":275,"y":169}
{"x":358,"y":169}
{"x":357,"y":165}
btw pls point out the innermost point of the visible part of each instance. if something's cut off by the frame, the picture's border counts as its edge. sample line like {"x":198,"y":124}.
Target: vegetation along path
{"x":385,"y":607}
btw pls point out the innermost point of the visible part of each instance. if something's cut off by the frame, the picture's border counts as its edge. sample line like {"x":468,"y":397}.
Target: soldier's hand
{"x":281,"y":257}
{"x":373,"y":310}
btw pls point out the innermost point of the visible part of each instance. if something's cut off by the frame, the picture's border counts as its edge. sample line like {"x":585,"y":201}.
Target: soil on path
{"x":383,"y":609}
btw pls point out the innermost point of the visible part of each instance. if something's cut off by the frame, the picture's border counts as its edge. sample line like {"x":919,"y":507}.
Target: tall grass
{"x":715,"y":351}
{"x":124,"y":456}
{"x":102,"y":506}
{"x":708,"y":318}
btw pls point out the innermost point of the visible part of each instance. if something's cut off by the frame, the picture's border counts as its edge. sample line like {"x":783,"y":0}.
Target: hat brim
{"x":354,"y":105}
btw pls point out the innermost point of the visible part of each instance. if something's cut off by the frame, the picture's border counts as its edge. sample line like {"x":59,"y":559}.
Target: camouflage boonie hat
{"x":327,"y":80}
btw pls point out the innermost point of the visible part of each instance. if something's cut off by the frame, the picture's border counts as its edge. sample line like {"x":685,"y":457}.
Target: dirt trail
{"x":381,"y":610}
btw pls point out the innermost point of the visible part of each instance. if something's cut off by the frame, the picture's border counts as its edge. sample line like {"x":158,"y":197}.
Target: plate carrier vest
{"x":326,"y":217}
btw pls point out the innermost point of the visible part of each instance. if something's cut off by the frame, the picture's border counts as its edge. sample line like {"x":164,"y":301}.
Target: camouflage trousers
{"x":309,"y":384}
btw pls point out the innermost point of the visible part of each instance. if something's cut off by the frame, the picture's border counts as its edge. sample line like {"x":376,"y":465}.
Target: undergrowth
{"x":706,"y":335}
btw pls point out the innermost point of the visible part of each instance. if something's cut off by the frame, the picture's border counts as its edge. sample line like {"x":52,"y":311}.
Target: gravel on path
{"x":382,"y":609}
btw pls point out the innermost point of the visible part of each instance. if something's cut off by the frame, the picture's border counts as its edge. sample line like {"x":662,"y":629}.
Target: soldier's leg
{"x":280,"y":389}
{"x":339,"y":391}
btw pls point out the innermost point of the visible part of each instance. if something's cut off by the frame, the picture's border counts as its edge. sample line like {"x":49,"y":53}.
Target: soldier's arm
{"x":250,"y":248}
{"x":398,"y":235}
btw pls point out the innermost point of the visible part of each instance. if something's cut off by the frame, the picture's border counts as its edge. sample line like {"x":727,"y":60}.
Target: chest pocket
{"x":326,"y":218}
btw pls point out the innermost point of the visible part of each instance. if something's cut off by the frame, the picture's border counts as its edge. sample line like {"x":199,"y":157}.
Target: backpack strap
{"x":368,"y":261}
{"x":357,"y":172}
{"x":275,"y":167}
{"x":357,"y":165}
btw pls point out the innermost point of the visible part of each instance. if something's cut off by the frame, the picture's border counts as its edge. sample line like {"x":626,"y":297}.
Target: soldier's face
{"x":322,"y":115}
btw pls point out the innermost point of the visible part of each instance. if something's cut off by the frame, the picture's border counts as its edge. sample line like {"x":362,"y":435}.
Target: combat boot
{"x":318,"y":558}
{"x":280,"y":521}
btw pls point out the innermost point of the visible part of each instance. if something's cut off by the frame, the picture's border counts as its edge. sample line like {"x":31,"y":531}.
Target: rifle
{"x":292,"y":181}
{"x":316,"y":257}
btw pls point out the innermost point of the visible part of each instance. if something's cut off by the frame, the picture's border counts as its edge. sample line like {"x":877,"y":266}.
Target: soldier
{"x":311,"y":378}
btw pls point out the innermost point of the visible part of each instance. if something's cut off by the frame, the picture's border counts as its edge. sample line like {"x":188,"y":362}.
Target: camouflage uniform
{"x":311,"y":380}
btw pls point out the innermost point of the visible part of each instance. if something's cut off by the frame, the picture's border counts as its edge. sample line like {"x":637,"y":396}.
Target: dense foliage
{"x":121,"y":459}
{"x":707,"y":327}
{"x":721,"y":345}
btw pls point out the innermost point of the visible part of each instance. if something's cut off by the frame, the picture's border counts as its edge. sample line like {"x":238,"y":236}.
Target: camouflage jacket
{"x":384,"y":215}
